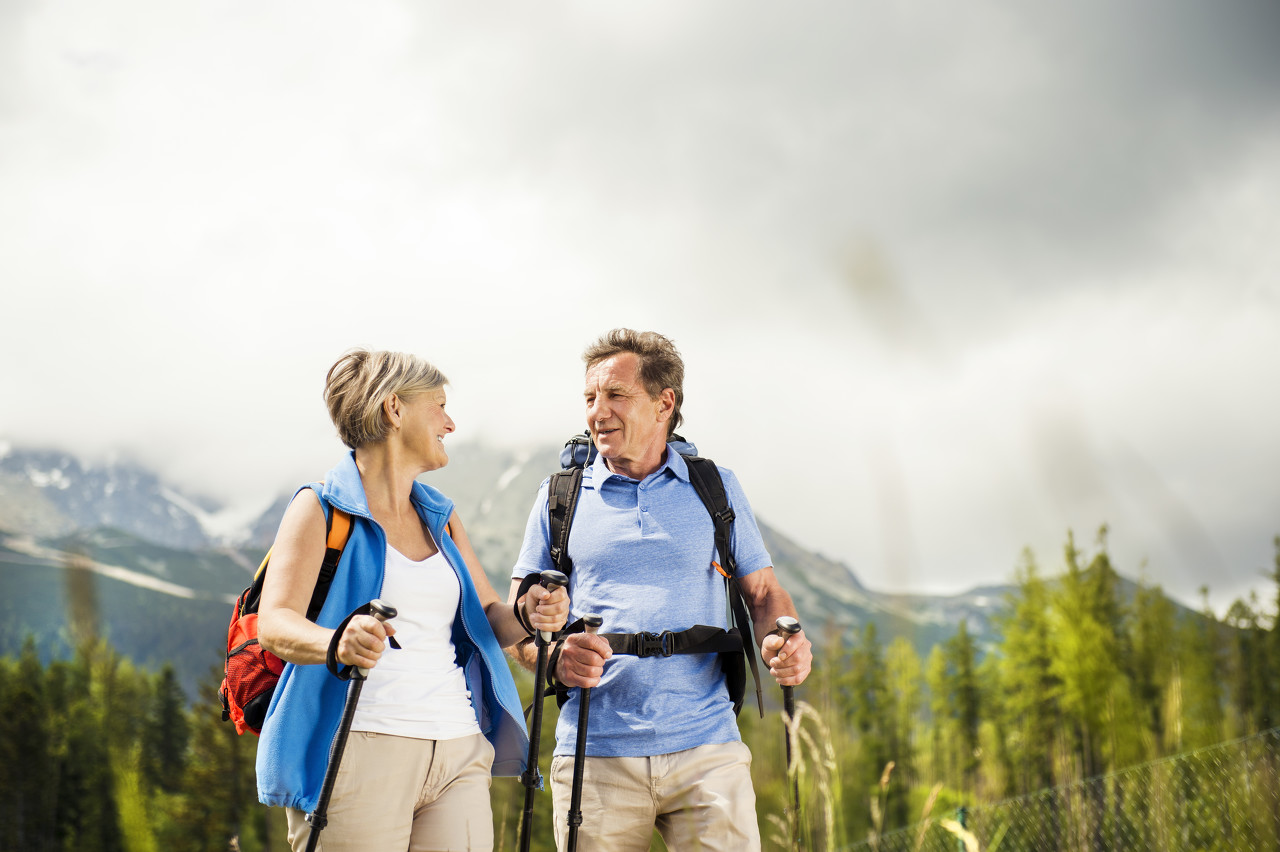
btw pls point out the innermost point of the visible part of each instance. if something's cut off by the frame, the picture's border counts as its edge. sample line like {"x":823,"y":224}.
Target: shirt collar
{"x":674,"y":463}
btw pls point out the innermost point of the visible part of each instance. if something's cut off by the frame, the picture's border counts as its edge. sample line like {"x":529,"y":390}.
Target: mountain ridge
{"x":146,"y":544}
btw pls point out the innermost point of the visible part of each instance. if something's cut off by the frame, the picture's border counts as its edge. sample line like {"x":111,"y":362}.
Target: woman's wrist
{"x":522,"y":617}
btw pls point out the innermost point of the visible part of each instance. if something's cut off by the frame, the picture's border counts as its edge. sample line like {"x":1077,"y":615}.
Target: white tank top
{"x":418,"y":690}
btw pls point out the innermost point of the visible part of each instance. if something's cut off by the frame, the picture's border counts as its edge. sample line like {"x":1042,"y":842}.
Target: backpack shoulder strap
{"x":562,"y":502}
{"x":337,"y":532}
{"x":707,"y":481}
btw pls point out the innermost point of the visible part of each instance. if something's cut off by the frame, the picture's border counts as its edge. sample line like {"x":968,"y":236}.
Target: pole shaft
{"x":530,"y":779}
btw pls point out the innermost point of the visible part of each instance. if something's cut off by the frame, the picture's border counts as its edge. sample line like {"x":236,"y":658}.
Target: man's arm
{"x":789,"y":661}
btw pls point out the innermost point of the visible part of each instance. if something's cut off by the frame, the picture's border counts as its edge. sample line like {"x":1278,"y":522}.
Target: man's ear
{"x":666,"y":404}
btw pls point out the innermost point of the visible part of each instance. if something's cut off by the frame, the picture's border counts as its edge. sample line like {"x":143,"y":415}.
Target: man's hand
{"x":789,"y":661}
{"x":582,"y":659}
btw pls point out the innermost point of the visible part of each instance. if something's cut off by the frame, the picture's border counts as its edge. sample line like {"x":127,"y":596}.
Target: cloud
{"x":960,"y":276}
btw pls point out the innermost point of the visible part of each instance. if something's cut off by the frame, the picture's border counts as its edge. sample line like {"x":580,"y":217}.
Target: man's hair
{"x":360,"y":381}
{"x":660,"y":364}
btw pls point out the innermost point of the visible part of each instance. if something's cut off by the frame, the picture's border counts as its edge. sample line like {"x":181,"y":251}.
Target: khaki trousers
{"x":394,"y":794}
{"x":698,"y":799}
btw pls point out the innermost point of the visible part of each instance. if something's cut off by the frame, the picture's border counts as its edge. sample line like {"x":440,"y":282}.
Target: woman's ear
{"x":391,"y":410}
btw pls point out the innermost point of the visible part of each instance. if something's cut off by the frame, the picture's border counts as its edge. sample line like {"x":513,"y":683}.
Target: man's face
{"x":629,"y":427}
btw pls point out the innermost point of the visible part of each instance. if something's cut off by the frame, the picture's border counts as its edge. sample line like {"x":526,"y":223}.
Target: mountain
{"x":113,"y":549}
{"x":51,"y":493}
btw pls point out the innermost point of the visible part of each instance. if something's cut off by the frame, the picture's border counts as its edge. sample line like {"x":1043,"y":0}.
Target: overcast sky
{"x":950,"y":279}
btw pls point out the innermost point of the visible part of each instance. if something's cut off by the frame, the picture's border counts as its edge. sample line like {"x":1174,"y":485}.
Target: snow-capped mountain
{"x":49,"y":493}
{"x":151,"y":547}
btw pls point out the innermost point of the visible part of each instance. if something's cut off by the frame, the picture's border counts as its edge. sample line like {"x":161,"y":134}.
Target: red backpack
{"x":252,"y":672}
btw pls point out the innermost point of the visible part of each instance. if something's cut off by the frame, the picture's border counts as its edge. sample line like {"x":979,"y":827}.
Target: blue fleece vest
{"x":307,"y":706}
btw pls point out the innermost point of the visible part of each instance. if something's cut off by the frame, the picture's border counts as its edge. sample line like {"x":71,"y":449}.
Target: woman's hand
{"x":547,"y":610}
{"x":363,"y":641}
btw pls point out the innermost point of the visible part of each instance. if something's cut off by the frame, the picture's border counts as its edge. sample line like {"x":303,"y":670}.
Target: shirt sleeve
{"x":535,"y":551}
{"x":748,"y":546}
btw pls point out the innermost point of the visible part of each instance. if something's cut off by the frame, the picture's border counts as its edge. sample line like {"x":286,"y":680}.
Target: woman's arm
{"x":283,"y":628}
{"x":545,"y":610}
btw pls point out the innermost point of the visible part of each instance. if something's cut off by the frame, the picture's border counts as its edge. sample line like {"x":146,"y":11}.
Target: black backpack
{"x":562,"y":501}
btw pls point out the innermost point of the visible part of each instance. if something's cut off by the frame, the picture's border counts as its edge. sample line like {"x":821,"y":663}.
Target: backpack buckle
{"x":654,"y":644}
{"x":727,"y":516}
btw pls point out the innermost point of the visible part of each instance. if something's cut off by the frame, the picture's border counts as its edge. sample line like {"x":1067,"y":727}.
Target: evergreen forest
{"x":1085,"y":681}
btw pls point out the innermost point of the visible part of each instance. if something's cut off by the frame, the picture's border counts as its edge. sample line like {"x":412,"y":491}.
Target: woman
{"x":438,"y":715}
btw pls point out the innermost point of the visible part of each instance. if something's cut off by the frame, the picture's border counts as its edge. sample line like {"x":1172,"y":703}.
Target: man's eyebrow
{"x":616,"y":387}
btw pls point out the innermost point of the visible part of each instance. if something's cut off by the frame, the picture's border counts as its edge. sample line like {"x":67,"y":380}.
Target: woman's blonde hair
{"x":361,"y":381}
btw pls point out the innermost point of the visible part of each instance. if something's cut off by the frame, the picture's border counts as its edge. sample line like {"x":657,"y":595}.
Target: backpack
{"x":251,"y":672}
{"x":562,"y":501}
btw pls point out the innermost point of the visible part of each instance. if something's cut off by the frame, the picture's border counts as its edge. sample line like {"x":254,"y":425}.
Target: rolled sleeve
{"x":535,"y":550}
{"x":748,"y":546}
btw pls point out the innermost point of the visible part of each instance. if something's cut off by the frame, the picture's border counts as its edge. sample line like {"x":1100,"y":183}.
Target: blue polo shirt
{"x":642,"y":554}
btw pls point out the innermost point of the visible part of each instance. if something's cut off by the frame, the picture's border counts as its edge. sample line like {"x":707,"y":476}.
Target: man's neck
{"x":638,"y":469}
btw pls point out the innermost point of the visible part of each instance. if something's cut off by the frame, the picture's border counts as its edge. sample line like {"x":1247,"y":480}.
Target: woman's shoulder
{"x":432,"y":499}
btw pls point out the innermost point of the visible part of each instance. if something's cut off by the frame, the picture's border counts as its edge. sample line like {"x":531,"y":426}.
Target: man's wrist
{"x":553,"y":662}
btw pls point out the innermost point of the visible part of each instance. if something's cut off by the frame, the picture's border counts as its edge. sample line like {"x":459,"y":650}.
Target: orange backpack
{"x":251,"y":671}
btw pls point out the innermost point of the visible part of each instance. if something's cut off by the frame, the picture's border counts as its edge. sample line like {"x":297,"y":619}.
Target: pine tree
{"x":1088,"y":648}
{"x":1154,"y":657}
{"x":904,"y":696}
{"x":966,"y":695}
{"x":26,"y":776}
{"x":1029,"y":688}
{"x":166,"y":734}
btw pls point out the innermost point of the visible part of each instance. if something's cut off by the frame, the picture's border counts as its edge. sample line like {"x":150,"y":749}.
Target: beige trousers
{"x":699,"y":799}
{"x":394,"y":794}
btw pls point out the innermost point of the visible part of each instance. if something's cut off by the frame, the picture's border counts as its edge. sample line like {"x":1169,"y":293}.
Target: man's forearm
{"x":525,"y":653}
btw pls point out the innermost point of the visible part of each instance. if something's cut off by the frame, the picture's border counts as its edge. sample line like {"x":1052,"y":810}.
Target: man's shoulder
{"x":731,"y":484}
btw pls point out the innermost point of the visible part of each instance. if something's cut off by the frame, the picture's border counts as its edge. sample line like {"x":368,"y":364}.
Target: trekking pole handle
{"x":786,"y":626}
{"x":591,"y":624}
{"x":551,"y":580}
{"x":384,"y":612}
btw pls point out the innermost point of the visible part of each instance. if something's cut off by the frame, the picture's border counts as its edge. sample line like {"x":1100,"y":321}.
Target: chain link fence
{"x":1225,"y":798}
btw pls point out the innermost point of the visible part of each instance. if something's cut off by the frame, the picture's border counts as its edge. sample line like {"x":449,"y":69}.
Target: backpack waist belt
{"x":699,"y":639}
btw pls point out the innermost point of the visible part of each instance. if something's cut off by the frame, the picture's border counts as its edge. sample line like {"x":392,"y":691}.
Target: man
{"x":663,"y":749}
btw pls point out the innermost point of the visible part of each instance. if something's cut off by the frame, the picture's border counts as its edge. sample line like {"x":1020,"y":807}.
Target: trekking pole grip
{"x":551,"y":580}
{"x":787,"y":626}
{"x":384,"y":612}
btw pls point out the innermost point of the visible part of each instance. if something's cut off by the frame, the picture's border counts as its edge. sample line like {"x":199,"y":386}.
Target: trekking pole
{"x":590,"y":623}
{"x":550,"y":580}
{"x":787,"y":626}
{"x":319,"y":818}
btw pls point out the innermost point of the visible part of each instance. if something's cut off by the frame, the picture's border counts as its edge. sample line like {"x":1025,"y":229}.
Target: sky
{"x":949,"y":279}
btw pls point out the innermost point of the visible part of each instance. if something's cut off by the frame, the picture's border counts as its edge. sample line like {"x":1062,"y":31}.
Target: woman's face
{"x":425,"y":424}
